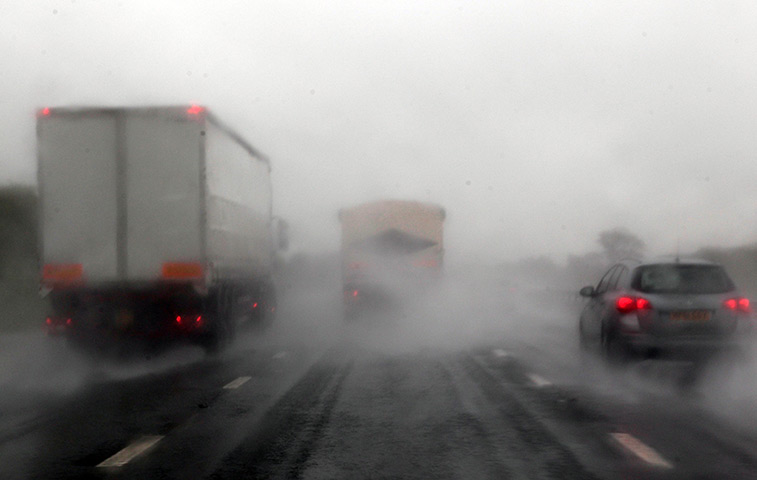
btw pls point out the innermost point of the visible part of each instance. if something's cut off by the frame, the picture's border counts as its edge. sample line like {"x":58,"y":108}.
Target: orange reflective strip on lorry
{"x":183,"y":270}
{"x":62,"y":272}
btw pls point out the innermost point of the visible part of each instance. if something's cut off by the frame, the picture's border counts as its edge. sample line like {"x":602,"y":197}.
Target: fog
{"x":536,"y":124}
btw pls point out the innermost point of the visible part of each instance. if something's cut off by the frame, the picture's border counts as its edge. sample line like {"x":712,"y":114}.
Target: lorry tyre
{"x":221,"y":329}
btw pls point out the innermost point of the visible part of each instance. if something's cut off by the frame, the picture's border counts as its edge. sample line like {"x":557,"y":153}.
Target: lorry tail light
{"x":351,"y":295}
{"x":55,"y":323}
{"x":45,"y":112}
{"x":627,"y":304}
{"x":195,"y":110}
{"x":182,"y":271}
{"x":741,"y":304}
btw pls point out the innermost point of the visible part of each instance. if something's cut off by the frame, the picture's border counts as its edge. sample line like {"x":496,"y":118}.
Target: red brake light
{"x":198,"y":320}
{"x":195,"y":110}
{"x":45,"y":111}
{"x":255,"y":305}
{"x":740,"y":303}
{"x":626,"y":304}
{"x":354,"y":293}
{"x":178,"y":319}
{"x":744,"y":304}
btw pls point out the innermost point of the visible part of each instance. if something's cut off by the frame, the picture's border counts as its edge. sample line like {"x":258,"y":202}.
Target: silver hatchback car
{"x":666,"y":308}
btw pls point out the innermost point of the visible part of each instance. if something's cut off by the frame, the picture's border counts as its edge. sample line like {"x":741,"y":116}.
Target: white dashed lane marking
{"x":499,"y":353}
{"x":236,"y":383}
{"x":538,"y":381}
{"x":132,"y":451}
{"x":641,"y":450}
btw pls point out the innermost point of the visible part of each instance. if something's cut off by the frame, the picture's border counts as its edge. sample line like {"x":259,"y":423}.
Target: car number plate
{"x":691,"y":316}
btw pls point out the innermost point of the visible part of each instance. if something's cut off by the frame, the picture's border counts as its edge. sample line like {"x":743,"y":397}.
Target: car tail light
{"x":628,"y":304}
{"x":738,"y":304}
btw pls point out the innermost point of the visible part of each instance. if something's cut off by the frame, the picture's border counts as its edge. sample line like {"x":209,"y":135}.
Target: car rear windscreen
{"x":673,"y":278}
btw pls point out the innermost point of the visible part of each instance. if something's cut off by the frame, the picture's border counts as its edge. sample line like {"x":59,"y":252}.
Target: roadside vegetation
{"x":617,"y":244}
{"x":20,"y":305}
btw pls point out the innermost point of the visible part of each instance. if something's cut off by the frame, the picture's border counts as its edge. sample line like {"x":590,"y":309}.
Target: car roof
{"x":671,"y":259}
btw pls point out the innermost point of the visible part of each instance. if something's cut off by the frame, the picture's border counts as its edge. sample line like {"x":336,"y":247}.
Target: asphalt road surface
{"x":404,"y":396}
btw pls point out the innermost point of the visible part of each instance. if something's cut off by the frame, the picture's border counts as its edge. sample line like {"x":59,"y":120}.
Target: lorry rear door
{"x":78,"y":195}
{"x":164,"y":195}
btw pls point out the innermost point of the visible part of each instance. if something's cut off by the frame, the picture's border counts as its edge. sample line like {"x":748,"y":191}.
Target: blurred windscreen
{"x":683,"y":279}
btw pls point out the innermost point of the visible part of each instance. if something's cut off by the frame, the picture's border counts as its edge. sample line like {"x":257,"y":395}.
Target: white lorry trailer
{"x":389,"y":248}
{"x":155,"y":222}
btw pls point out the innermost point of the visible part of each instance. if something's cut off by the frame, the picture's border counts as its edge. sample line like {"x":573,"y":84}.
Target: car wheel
{"x":613,"y":349}
{"x":583,"y":342}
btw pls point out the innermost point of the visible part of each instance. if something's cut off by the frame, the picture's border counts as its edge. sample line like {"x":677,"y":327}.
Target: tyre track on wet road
{"x":286,"y":436}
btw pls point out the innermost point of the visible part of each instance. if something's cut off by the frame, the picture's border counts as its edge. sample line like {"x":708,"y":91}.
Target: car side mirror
{"x":587,"y":291}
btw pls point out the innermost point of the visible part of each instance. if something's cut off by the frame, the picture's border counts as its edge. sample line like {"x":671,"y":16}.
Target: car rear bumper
{"x":689,"y":347}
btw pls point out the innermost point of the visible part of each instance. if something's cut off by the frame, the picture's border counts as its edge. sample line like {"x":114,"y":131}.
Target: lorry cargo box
{"x":150,"y":194}
{"x":154,"y":221}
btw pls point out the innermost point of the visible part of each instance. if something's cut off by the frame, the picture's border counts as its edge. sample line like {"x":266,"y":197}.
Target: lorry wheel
{"x":262,"y":317}
{"x":218,"y":338}
{"x":221,"y":332}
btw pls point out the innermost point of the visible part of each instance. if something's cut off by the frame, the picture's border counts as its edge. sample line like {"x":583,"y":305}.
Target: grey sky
{"x":537,"y":124}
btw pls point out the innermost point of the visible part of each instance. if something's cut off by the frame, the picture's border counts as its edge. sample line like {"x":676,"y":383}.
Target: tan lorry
{"x":389,"y":247}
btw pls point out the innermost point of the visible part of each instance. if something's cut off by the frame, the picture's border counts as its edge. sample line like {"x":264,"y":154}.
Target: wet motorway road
{"x":365,"y":401}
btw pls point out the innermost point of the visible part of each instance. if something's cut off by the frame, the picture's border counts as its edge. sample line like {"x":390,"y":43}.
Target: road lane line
{"x":236,"y":383}
{"x":641,"y":450}
{"x":538,"y":381}
{"x":499,"y":353}
{"x":128,"y":454}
